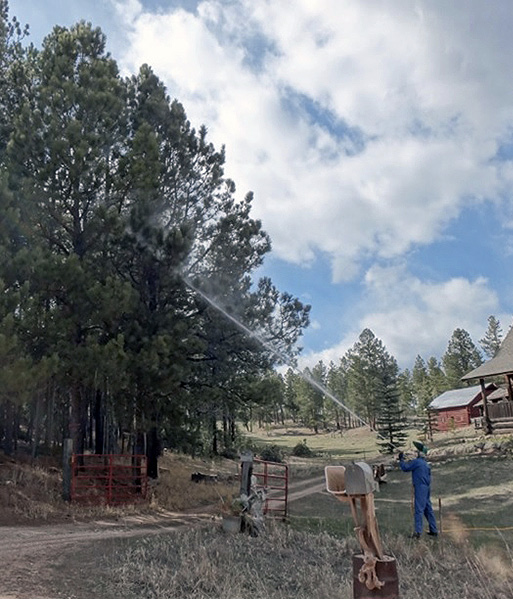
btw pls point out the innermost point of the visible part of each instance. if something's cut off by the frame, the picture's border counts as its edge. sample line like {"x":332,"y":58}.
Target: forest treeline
{"x":369,"y":383}
{"x":114,"y":211}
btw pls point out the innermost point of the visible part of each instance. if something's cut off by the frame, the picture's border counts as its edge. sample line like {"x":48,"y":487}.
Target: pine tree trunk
{"x":50,"y":419}
{"x":99,"y":423}
{"x":36,"y":436}
{"x":153,"y":452}
{"x":215,"y":447}
{"x":76,"y":424}
{"x":9,"y":428}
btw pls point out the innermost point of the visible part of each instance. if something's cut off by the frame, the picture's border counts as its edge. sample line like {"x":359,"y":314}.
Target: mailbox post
{"x":374,"y":573}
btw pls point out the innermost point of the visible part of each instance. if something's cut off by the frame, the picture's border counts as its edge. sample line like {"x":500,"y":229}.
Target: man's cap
{"x":420,"y":446}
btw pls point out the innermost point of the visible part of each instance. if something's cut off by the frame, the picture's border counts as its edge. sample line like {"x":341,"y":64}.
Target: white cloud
{"x":421,"y":88}
{"x":364,"y":128}
{"x":416,"y":317}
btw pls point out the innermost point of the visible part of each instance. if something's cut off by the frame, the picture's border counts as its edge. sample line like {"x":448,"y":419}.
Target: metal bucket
{"x":386,"y":571}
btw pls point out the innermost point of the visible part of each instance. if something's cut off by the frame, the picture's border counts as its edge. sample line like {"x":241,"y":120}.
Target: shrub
{"x":301,"y":450}
{"x":272,"y":453}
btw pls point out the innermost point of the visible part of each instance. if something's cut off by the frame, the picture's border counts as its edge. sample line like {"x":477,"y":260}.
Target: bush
{"x":230,"y":453}
{"x":272,"y":453}
{"x":301,"y":450}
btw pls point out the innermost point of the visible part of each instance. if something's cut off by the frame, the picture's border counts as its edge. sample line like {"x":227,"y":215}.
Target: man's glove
{"x":401,"y":455}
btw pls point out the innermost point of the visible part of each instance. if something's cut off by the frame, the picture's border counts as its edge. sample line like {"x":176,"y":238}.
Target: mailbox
{"x":335,"y":480}
{"x":359,"y":479}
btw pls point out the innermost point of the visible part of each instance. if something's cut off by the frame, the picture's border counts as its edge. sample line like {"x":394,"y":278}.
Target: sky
{"x":376,"y":135}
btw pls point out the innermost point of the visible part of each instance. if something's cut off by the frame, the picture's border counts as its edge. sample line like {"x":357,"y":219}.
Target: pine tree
{"x":461,"y":357}
{"x":311,"y":398}
{"x":391,"y":421}
{"x":290,"y":394}
{"x":368,"y":366}
{"x":406,"y":391}
{"x":437,"y":380}
{"x":420,"y":382}
{"x":492,"y":339}
{"x":115,"y":206}
{"x":337,"y":385}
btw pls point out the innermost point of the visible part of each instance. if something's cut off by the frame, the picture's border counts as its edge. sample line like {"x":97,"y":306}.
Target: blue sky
{"x":376,"y":135}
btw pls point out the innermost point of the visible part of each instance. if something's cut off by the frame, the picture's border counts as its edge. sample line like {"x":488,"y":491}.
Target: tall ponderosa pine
{"x":291,"y":394}
{"x":336,"y":382}
{"x":18,"y":373}
{"x":492,"y":339}
{"x":461,"y":357}
{"x":406,"y":391}
{"x":64,"y":156}
{"x":311,"y":398}
{"x":369,"y":365}
{"x":14,"y":79}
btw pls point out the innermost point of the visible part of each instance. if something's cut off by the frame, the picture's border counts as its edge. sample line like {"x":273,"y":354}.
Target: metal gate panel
{"x":111,"y":479}
{"x":274,"y":478}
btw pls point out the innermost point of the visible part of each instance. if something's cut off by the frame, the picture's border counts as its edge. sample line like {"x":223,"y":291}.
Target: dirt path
{"x":64,"y":561}
{"x":305,"y":488}
{"x":60,"y":561}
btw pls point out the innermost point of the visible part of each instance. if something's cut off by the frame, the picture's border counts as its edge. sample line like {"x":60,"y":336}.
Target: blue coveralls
{"x":421,"y":478}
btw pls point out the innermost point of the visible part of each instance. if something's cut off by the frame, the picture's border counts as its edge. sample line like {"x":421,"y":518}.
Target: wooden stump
{"x":386,"y":572}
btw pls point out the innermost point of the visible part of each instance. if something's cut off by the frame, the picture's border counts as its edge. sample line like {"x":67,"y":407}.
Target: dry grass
{"x":284,"y":563}
{"x":28,"y":492}
{"x":32,"y":493}
{"x":354,"y":444}
{"x":176,"y":491}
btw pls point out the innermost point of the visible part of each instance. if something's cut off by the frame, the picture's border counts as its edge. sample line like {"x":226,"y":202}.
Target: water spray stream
{"x":275,"y":352}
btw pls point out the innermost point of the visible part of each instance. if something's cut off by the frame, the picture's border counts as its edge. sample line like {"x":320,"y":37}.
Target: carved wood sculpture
{"x":355,"y":485}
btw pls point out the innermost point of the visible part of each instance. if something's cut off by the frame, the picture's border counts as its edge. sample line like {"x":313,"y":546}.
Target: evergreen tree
{"x":461,"y":357}
{"x":311,"y":397}
{"x":492,"y":339}
{"x":436,"y":378}
{"x":420,"y":383}
{"x":14,"y":79}
{"x":369,"y":365}
{"x":391,"y":422}
{"x":116,"y":211}
{"x":406,"y":392}
{"x":63,"y":157}
{"x":291,"y":394}
{"x":337,"y":384}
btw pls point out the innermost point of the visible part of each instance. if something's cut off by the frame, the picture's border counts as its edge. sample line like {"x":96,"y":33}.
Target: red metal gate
{"x":108,"y":478}
{"x":274,"y":478}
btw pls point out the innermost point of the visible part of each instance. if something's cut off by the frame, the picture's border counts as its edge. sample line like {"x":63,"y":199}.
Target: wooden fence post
{"x":246,"y":459}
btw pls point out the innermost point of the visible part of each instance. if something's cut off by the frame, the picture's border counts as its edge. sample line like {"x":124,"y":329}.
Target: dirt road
{"x":60,"y":561}
{"x":65,"y":561}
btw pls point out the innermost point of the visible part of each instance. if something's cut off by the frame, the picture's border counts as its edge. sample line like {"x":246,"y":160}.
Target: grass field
{"x":355,"y":444}
{"x":475,"y":495}
{"x":472,"y":495}
{"x":310,"y":556}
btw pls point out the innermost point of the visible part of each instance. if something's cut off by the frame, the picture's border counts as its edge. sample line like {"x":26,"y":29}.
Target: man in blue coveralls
{"x":421,"y":479}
